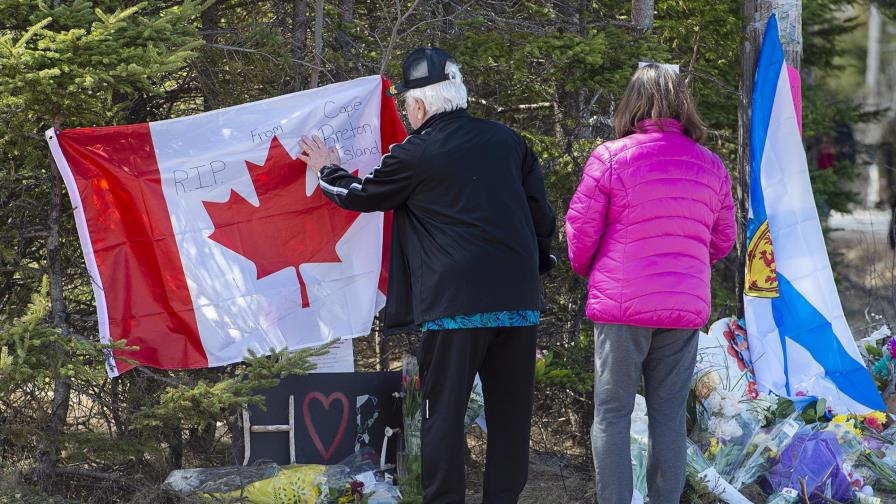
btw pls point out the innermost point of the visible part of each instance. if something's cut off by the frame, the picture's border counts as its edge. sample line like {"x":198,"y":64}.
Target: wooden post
{"x":755,"y":15}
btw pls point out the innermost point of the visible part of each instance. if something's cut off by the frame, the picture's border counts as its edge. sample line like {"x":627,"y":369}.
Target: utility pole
{"x":755,"y":16}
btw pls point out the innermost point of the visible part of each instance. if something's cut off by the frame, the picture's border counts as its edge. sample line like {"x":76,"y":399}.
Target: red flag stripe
{"x":143,"y":285}
{"x":391,"y":132}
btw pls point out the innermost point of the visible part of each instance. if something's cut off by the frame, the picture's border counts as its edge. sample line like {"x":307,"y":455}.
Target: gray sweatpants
{"x":666,"y":359}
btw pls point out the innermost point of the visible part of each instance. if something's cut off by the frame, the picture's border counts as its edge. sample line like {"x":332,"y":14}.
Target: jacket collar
{"x":656,"y":125}
{"x":440,"y":117}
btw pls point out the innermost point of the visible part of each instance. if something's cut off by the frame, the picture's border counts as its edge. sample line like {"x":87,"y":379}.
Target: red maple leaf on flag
{"x":288,"y":228}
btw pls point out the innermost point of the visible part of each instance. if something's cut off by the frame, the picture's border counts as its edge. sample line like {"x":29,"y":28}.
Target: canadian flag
{"x":206,"y":237}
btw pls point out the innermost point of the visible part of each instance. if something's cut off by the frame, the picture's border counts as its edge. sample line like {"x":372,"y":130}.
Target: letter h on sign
{"x":248,"y":429}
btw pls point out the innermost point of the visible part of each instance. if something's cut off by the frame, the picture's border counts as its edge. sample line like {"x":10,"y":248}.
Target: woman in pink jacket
{"x":652,"y":213}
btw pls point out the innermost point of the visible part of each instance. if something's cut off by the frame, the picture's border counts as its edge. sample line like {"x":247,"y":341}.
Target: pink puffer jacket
{"x":651,"y":214}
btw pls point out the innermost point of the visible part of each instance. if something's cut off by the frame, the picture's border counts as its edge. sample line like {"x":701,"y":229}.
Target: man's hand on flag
{"x":316,"y":154}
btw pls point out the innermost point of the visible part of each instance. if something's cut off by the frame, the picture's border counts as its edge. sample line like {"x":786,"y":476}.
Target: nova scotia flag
{"x":799,"y":340}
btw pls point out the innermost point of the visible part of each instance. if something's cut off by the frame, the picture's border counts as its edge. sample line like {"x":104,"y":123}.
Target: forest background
{"x":552,"y":69}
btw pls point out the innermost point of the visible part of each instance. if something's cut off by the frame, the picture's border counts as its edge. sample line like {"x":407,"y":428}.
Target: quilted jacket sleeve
{"x":586,"y":218}
{"x":724,"y":230}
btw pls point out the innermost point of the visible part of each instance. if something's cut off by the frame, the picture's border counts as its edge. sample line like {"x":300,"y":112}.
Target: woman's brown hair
{"x":658,"y":92}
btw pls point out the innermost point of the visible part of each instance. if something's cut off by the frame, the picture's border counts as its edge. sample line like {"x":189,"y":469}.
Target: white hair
{"x":444,"y":96}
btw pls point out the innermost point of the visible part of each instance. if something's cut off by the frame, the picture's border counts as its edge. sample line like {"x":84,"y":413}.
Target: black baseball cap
{"x":423,"y":67}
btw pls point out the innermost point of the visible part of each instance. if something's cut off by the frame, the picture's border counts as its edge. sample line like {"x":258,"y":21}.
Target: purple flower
{"x":891,"y":348}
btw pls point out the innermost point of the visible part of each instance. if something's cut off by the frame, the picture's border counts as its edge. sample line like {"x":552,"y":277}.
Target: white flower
{"x":765,"y":403}
{"x":730,"y":403}
{"x":724,"y":428}
{"x":713,"y":403}
{"x":724,"y":403}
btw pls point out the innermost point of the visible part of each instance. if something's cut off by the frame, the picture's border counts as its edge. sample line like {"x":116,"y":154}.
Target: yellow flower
{"x":713,"y":447}
{"x":880,"y":416}
{"x":841,"y":419}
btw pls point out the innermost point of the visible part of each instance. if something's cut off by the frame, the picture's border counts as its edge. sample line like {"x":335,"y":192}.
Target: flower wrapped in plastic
{"x":702,"y":475}
{"x":638,"y":444}
{"x":726,"y":429}
{"x":879,"y":456}
{"x":763,"y":449}
{"x":813,"y":458}
{"x":409,"y":454}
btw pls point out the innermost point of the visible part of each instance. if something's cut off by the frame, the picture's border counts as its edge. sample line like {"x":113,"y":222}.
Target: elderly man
{"x":472,"y":231}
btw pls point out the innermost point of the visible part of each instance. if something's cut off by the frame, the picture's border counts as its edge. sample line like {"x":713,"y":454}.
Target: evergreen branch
{"x":31,"y":32}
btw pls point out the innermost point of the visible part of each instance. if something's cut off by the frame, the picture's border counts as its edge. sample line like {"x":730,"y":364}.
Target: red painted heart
{"x":312,"y":431}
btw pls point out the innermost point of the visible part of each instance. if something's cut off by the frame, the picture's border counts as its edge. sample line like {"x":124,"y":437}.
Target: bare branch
{"x":394,"y":36}
{"x":262,"y":53}
{"x":515,"y":108}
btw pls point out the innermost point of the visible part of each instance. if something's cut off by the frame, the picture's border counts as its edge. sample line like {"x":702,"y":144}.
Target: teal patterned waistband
{"x":517,"y":318}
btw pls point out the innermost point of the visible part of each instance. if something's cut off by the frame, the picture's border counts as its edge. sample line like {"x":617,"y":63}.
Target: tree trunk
{"x":59,"y":405}
{"x":756,"y":14}
{"x":175,"y":456}
{"x":873,"y":102}
{"x":642,"y":14}
{"x":344,"y":40}
{"x":299,"y":37}
{"x":209,"y":34}
{"x":318,"y":42}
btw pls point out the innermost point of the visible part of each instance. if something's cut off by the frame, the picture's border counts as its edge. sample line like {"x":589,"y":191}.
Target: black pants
{"x":449,"y":361}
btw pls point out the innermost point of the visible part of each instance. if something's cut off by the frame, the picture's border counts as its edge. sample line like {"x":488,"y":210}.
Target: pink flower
{"x":873,"y":423}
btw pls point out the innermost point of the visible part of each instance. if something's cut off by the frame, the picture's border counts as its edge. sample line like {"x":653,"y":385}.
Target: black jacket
{"x":472,"y":226}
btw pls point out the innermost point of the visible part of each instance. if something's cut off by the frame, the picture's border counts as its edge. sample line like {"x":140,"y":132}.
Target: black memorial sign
{"x":332,"y":416}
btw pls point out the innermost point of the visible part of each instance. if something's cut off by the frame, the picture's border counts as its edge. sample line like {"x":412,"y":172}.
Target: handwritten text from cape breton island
{"x":341,"y":129}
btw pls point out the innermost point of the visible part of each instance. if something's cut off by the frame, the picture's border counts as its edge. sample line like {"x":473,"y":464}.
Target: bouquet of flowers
{"x":353,"y":493}
{"x":726,"y":427}
{"x":879,"y":454}
{"x":639,"y":443}
{"x":882,"y":467}
{"x":763,"y":449}
{"x":703,"y":476}
{"x":409,"y":455}
{"x":880,"y":354}
{"x":814,"y":460}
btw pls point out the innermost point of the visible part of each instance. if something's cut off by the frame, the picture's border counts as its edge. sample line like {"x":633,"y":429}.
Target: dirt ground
{"x":552,"y":480}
